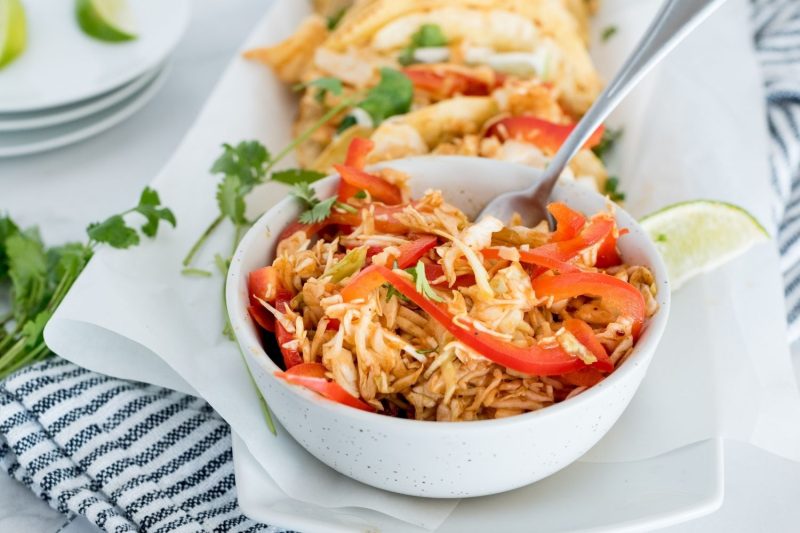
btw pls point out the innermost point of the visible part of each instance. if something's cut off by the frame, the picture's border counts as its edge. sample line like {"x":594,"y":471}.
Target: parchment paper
{"x":693,"y":129}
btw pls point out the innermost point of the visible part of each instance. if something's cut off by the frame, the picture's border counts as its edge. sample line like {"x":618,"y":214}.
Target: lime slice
{"x":107,"y":20}
{"x":698,"y":236}
{"x":13,"y":31}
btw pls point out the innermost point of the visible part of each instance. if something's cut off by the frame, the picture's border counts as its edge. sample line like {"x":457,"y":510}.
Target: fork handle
{"x":674,"y":21}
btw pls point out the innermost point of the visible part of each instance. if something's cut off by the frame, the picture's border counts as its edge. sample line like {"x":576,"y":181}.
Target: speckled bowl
{"x":443,"y":459}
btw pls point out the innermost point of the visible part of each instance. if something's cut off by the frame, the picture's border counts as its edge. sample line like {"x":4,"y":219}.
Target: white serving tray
{"x":636,"y":496}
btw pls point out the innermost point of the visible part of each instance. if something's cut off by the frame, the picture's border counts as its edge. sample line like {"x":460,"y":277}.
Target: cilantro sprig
{"x":245,"y":166}
{"x":612,"y":189}
{"x":115,"y":231}
{"x":607,"y":143}
{"x":316,"y":210}
{"x":427,"y":35}
{"x":392,"y":96}
{"x":37,"y":278}
{"x":249,"y":164}
{"x":608,"y":33}
{"x":334,"y":19}
{"x":323,"y":85}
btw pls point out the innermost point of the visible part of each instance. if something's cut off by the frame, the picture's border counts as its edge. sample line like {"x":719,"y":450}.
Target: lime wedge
{"x":13,"y":31}
{"x":698,"y":236}
{"x":107,"y":20}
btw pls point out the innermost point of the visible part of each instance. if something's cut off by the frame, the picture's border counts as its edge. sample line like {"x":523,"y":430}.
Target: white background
{"x":64,"y":190}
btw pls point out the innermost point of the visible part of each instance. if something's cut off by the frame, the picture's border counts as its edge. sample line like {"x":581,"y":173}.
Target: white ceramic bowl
{"x":446,"y":459}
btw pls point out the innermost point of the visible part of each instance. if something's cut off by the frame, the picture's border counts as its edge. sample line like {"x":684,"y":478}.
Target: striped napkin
{"x":127,"y":456}
{"x":777,"y":40}
{"x":134,"y":457}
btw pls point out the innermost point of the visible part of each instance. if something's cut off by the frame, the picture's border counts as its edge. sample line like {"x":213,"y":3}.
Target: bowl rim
{"x":642,"y":353}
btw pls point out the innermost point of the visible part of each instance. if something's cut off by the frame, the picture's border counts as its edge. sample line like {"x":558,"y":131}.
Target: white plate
{"x":63,"y":65}
{"x":41,"y":140}
{"x":59,"y":115}
{"x":636,"y":496}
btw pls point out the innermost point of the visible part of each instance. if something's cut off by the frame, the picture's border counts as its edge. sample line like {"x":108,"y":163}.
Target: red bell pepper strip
{"x":546,"y":135}
{"x":385,"y":222}
{"x":623,"y":298}
{"x":291,"y":356}
{"x":595,"y":231}
{"x":259,"y":281}
{"x":607,"y":254}
{"x":532,"y":360}
{"x":442,"y":82}
{"x":309,"y":229}
{"x":380,"y":189}
{"x":534,"y":258}
{"x":363,"y":283}
{"x":412,"y":251}
{"x":373,"y":251}
{"x":585,"y":377}
{"x":262,"y":317}
{"x":568,"y":222}
{"x":585,"y":335}
{"x":312,"y":377}
{"x":384,"y":216}
{"x":357,"y":154}
{"x":434,"y":271}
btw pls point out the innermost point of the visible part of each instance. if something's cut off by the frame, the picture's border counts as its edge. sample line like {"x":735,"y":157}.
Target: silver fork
{"x":675,"y":20}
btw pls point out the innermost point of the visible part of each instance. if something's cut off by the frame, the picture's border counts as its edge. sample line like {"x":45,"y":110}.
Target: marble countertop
{"x":101,"y":175}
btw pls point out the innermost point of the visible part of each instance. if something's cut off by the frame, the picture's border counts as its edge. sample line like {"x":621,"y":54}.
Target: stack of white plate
{"x":67,"y":86}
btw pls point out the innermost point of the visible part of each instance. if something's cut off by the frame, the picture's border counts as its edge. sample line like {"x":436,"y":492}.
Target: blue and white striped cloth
{"x":776,"y":25}
{"x":132,"y":457}
{"x":127,"y":456}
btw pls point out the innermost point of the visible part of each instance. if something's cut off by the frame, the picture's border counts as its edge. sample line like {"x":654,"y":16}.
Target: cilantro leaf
{"x":612,"y":189}
{"x":325,"y":85}
{"x":114,"y":232}
{"x":230,"y":199}
{"x":427,"y":35}
{"x":246,"y":160}
{"x":391,"y":96}
{"x":303,"y":192}
{"x":346,"y":122}
{"x":149,"y":207}
{"x":607,"y":142}
{"x":67,"y":260}
{"x":7,"y":229}
{"x":319,"y":212}
{"x":392,"y":292}
{"x":33,"y":329}
{"x":608,"y":33}
{"x":335,"y":19}
{"x":27,"y":268}
{"x":293,"y":176}
{"x":406,"y":57}
{"x":421,"y":282}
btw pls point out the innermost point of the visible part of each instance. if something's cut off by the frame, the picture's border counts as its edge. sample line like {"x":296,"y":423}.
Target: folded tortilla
{"x":501,"y":25}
